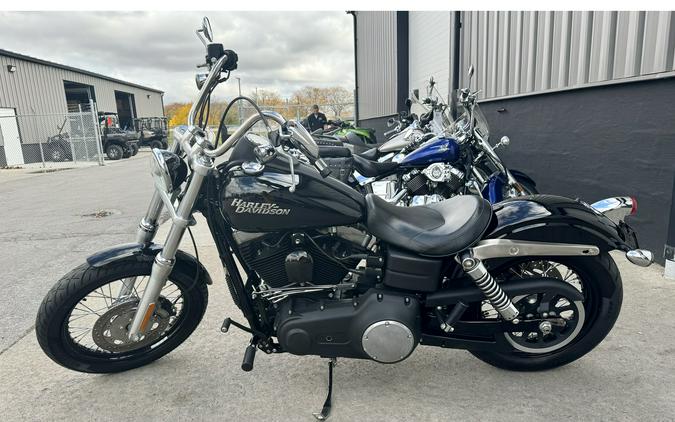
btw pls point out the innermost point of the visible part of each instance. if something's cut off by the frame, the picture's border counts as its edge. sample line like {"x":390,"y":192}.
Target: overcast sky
{"x":277,"y":50}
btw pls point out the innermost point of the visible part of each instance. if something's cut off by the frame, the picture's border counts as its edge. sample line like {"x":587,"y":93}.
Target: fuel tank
{"x":264,"y":203}
{"x":436,"y":150}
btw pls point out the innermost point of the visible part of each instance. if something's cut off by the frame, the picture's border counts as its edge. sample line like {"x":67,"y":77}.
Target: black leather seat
{"x":373,"y":168}
{"x":370,"y":154}
{"x":440,"y":229}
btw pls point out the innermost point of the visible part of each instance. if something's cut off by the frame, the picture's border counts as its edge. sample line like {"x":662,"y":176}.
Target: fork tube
{"x":164,"y":261}
{"x":147,"y":228}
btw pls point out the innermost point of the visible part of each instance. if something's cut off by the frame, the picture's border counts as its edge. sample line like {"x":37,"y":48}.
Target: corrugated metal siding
{"x":376,"y":61}
{"x":529,"y":52}
{"x":429,"y":50}
{"x":38,"y":89}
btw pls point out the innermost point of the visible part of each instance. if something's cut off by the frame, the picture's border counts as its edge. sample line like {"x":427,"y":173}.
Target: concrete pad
{"x":630,"y":376}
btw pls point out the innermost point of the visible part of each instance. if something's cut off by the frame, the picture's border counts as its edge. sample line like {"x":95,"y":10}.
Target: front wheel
{"x":573,"y":328}
{"x":83,"y":321}
{"x":114,"y":152}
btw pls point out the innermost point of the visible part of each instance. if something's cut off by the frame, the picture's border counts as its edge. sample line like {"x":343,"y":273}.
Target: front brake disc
{"x":111,"y":330}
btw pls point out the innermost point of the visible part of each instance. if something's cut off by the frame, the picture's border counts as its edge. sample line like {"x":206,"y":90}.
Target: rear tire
{"x":603,"y":304}
{"x":157,"y":144}
{"x":52,"y":330}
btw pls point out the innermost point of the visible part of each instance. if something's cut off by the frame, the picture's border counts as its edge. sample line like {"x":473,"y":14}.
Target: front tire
{"x":54,"y":324}
{"x":114,"y":152}
{"x":603,"y":294}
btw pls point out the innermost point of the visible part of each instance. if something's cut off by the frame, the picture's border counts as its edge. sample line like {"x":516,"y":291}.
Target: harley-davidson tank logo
{"x":267,"y":208}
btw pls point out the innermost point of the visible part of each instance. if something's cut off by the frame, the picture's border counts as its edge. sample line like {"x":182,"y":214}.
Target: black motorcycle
{"x":526,"y":285}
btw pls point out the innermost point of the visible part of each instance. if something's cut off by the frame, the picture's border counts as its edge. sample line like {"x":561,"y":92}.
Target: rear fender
{"x":136,"y":252}
{"x":556,"y":219}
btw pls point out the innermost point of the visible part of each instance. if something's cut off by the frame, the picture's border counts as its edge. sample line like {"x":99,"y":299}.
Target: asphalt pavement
{"x":630,"y":376}
{"x":50,"y":221}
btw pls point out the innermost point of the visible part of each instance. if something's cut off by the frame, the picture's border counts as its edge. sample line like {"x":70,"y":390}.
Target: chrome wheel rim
{"x":566,"y":318}
{"x":99,"y":321}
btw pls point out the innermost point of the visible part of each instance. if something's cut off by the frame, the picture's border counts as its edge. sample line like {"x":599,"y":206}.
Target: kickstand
{"x":325,"y":411}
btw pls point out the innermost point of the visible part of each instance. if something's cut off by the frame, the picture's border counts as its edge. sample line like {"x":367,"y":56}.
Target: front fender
{"x":549,"y":218}
{"x":493,"y":190}
{"x":147,"y":253}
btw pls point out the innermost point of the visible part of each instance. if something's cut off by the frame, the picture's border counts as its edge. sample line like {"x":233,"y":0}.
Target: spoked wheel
{"x":83,"y":323}
{"x":566,"y":329}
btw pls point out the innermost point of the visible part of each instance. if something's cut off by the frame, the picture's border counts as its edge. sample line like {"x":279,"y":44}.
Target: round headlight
{"x":168,"y":170}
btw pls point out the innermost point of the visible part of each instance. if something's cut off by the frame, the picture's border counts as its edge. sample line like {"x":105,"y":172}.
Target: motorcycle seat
{"x":439,"y":229}
{"x":370,"y":154}
{"x":369,"y":168}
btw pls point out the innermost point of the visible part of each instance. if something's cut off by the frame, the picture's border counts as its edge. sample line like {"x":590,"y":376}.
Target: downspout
{"x":669,"y":251}
{"x":356,"y":73}
{"x":457,"y":27}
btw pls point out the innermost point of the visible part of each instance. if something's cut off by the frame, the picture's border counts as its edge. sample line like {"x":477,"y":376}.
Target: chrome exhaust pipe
{"x":640,"y":257}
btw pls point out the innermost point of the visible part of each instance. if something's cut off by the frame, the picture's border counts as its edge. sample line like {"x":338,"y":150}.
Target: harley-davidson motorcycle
{"x":527,"y":284}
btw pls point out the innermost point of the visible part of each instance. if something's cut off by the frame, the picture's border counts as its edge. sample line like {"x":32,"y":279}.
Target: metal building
{"x":587,"y":98}
{"x":38,"y":93}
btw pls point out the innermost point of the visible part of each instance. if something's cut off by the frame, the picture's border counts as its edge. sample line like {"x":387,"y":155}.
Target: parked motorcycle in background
{"x":316,"y":268}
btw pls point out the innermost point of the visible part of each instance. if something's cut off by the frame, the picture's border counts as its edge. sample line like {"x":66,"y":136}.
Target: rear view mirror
{"x":206,"y":29}
{"x":391,"y":122}
{"x":408,"y":103}
{"x":416,"y":94}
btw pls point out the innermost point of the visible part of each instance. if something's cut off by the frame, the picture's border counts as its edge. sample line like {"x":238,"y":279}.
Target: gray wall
{"x":36,"y":89}
{"x":597,"y":142}
{"x":526,"y":52}
{"x":376,"y":63}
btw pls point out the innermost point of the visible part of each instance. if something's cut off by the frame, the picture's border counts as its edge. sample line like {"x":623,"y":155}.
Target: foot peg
{"x":325,"y":411}
{"x":228,"y":321}
{"x":249,"y":357}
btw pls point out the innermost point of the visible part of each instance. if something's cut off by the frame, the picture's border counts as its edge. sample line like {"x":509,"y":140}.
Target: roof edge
{"x":20,"y":56}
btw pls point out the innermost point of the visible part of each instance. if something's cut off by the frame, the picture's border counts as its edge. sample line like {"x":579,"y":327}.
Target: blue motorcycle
{"x":452,"y":158}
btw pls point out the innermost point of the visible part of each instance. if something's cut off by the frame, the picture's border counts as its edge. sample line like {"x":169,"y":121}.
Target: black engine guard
{"x":147,"y":253}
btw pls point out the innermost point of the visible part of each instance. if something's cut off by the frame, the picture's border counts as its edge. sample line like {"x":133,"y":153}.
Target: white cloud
{"x":277,"y":50}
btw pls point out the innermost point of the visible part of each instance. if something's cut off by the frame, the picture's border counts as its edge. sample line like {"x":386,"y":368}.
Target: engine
{"x":381,"y":325}
{"x":286,"y":259}
{"x":435,"y":183}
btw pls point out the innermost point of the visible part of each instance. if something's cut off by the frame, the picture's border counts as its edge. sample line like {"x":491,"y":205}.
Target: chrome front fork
{"x":164,"y":261}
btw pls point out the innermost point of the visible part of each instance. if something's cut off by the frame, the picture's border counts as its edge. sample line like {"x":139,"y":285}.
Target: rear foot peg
{"x":325,"y":411}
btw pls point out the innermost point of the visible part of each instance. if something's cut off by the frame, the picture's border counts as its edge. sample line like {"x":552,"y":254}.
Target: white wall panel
{"x":429,"y":50}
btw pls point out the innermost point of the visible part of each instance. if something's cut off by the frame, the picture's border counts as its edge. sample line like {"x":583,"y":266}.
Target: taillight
{"x":633,"y":208}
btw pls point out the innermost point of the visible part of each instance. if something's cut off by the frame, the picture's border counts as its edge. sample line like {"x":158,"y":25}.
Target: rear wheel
{"x":114,"y":152}
{"x":569,"y":329}
{"x":157,"y":144}
{"x":134,"y":150}
{"x":83,"y":321}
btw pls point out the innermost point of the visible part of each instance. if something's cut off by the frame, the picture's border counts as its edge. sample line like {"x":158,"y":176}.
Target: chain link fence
{"x":333,"y":111}
{"x":50,"y":140}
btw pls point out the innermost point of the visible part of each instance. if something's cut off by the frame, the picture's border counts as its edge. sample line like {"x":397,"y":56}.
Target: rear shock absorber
{"x":475,"y":268}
